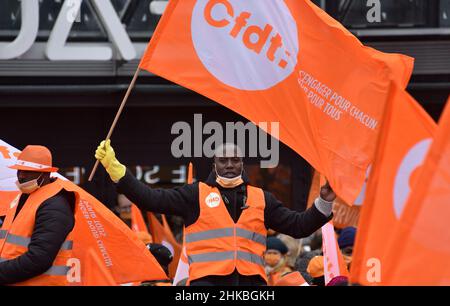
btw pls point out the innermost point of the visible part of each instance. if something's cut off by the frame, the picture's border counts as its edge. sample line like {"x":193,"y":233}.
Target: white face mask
{"x":226,"y":182}
{"x":30,"y":186}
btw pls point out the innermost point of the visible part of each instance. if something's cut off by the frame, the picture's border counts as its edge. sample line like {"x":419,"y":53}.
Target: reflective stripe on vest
{"x":230,"y":255}
{"x":58,"y":270}
{"x":225,"y":232}
{"x":3,"y":234}
{"x":25,"y":241}
{"x":54,"y":270}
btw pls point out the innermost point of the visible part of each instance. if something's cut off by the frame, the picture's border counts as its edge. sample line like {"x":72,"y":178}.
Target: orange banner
{"x":406,"y":136}
{"x":121,"y":251}
{"x":286,"y":62}
{"x":420,"y":251}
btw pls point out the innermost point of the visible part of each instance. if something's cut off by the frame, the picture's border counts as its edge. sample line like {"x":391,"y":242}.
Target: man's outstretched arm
{"x":179,"y":201}
{"x":295,"y":224}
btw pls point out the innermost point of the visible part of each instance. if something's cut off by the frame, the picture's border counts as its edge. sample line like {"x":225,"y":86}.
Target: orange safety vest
{"x":215,"y":245}
{"x":15,"y":236}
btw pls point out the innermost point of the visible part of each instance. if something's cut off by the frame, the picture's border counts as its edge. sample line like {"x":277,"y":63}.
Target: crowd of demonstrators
{"x":223,"y":209}
{"x":310,"y":262}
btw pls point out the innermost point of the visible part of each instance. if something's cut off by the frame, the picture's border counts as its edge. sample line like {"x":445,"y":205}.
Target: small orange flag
{"x":137,"y":220}
{"x":420,"y":251}
{"x":334,"y":264}
{"x":177,"y":248}
{"x":289,"y":68}
{"x":407,"y":133}
{"x":163,"y":235}
{"x":183,"y":264}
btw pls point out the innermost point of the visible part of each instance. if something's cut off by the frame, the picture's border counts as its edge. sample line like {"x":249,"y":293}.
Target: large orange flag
{"x":117,"y":245}
{"x":96,"y":274}
{"x":420,"y":251}
{"x":406,"y":136}
{"x":162,"y":234}
{"x":98,"y":234}
{"x":284,"y":62}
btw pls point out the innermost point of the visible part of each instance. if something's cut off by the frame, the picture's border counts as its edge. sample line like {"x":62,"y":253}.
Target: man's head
{"x":228,"y":161}
{"x":228,"y":165}
{"x":346,"y":241}
{"x":275,"y":253}
{"x":124,"y":205}
{"x":34,"y":167}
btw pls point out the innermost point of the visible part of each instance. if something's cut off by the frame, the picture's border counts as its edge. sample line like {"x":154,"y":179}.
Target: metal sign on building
{"x":58,"y":47}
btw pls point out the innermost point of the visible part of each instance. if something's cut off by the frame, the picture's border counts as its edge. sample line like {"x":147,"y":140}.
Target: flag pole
{"x":119,"y":112}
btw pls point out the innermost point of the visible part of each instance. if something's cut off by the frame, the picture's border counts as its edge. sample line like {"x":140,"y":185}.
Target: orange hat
{"x":35,"y":158}
{"x":315,"y":267}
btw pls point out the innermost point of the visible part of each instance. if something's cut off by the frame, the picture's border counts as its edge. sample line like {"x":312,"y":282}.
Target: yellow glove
{"x":105,"y":154}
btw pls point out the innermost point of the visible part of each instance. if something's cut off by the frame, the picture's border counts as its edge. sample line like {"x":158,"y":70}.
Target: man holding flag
{"x":226,"y":218}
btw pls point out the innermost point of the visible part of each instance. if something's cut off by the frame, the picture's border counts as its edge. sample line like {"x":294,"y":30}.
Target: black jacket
{"x":54,"y":221}
{"x":183,"y":201}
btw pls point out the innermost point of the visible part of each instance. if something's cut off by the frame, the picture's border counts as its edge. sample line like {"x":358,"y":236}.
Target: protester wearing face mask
{"x":226,"y":219}
{"x":275,"y":260}
{"x":34,"y":232}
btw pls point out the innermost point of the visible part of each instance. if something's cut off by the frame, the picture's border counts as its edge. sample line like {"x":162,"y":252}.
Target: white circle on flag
{"x":244,"y":44}
{"x":212,"y":200}
{"x":412,"y":160}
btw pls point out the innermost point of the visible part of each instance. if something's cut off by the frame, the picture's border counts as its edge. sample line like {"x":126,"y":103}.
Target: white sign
{"x":57,"y":49}
{"x":244,"y":44}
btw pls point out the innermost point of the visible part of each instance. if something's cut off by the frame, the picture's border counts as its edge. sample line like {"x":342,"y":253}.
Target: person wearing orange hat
{"x":38,"y":222}
{"x":316,"y":270}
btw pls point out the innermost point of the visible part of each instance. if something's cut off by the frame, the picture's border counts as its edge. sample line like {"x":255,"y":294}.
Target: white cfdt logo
{"x":413,"y":160}
{"x":245,"y":44}
{"x":212,"y":200}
